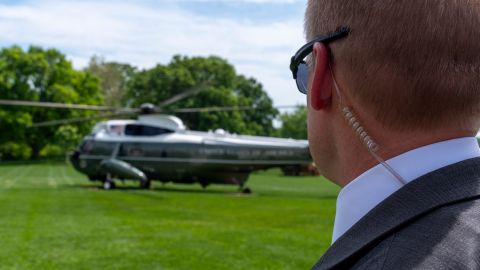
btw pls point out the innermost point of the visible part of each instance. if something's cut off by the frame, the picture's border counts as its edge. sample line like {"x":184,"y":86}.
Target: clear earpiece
{"x":361,"y":132}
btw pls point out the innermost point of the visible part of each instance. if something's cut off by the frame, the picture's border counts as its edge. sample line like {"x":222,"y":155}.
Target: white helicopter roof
{"x":165,"y":121}
{"x":117,"y":127}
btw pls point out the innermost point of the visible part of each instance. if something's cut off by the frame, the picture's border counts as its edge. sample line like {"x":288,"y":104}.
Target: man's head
{"x":412,"y":64}
{"x":407,"y":66}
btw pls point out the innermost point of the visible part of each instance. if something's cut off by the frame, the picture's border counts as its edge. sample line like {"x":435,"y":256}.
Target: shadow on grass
{"x":133,"y":190}
{"x":192,"y":190}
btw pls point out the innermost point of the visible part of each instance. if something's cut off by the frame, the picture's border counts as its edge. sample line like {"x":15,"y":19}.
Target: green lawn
{"x":53,"y":218}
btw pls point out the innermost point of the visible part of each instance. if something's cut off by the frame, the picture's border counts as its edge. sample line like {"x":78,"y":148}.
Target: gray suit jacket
{"x":431,"y":223}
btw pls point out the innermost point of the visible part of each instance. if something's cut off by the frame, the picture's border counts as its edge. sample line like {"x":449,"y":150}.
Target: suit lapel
{"x":447,"y":185}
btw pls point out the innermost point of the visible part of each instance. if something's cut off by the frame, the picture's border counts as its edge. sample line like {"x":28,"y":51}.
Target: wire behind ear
{"x":366,"y":140}
{"x":352,"y":120}
{"x":371,"y":145}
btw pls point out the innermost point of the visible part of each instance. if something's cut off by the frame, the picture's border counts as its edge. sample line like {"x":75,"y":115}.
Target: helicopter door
{"x":132,"y":150}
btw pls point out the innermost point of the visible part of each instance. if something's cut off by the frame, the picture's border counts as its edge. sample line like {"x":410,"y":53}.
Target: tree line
{"x":38,"y":74}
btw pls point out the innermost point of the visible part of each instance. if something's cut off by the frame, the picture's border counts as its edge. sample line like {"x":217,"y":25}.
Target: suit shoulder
{"x":447,"y":237}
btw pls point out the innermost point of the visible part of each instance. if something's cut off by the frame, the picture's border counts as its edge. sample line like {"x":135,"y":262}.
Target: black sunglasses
{"x":299,"y":67}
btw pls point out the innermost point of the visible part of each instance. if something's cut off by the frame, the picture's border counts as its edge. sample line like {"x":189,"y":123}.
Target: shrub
{"x":15,"y":151}
{"x":51,"y":150}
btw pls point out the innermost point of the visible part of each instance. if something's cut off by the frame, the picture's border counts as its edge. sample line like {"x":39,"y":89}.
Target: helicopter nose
{"x":75,"y":156}
{"x":75,"y":160}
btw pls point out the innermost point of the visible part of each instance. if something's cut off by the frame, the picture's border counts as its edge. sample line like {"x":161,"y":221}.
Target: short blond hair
{"x":413,"y":64}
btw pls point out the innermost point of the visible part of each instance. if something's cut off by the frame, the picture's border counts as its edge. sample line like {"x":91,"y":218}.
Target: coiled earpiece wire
{"x":366,"y":140}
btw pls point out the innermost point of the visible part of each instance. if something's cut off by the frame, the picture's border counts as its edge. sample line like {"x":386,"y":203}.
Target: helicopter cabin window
{"x":144,"y":130}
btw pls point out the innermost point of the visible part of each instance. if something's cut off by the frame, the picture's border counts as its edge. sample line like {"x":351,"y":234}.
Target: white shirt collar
{"x":373,"y":186}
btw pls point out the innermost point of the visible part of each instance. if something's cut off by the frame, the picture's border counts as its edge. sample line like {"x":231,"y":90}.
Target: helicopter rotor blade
{"x":213,"y":109}
{"x":79,"y":119}
{"x":222,"y":109}
{"x":185,"y":94}
{"x":55,"y":105}
{"x":129,"y":111}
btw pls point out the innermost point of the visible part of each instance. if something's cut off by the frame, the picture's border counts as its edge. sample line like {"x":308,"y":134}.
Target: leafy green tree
{"x":40,"y":75}
{"x":113,"y":77}
{"x":294,"y":125}
{"x":250,"y":93}
{"x":222,"y":87}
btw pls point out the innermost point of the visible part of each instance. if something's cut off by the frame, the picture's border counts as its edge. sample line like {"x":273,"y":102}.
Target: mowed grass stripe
{"x":51,"y":180}
{"x":285,"y":224}
{"x":6,"y":173}
{"x":64,"y":177}
{"x":17,"y":175}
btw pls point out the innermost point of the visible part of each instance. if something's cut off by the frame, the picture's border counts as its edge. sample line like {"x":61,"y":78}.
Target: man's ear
{"x":320,"y":90}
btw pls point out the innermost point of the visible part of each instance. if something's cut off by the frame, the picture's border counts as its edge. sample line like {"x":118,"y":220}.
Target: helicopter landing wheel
{"x":246,"y":190}
{"x":108,"y":185}
{"x":145,"y":184}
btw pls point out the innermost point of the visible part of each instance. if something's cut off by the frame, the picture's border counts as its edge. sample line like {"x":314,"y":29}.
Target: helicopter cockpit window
{"x":116,"y":129}
{"x":144,"y":130}
{"x":98,"y":127}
